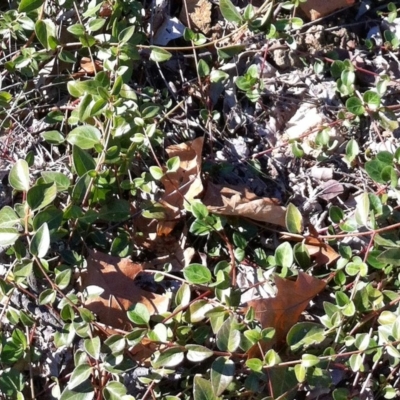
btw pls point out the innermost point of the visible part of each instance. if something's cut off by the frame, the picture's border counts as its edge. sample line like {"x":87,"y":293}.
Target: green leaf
{"x":199,"y":210}
{"x":362,"y":209}
{"x":355,"y":106}
{"x":27,"y":6}
{"x":84,"y":110}
{"x":293,"y":219}
{"x":171,"y":357}
{"x":82,"y":161}
{"x":77,"y":29}
{"x":301,"y":255}
{"x":390,"y":256}
{"x":40,"y":242}
{"x":255,"y":364}
{"x":139,"y":314}
{"x":47,"y":297}
{"x":203,"y":68}
{"x":41,"y":195}
{"x":63,"y":278}
{"x":300,"y":372}
{"x":116,"y":210}
{"x":8,"y":236}
{"x":53,"y":137}
{"x":96,"y":24}
{"x":156,"y":172}
{"x":355,"y":362}
{"x":173,"y":164}
{"x":352,"y":150}
{"x":228,"y":336}
{"x":92,"y":347}
{"x":304,"y":334}
{"x":230,"y":51}
{"x":8,"y":217}
{"x":80,"y":188}
{"x":19,"y":176}
{"x":202,"y":389}
{"x":197,"y":353}
{"x":284,"y":255}
{"x":84,"y":391}
{"x":115,"y":391}
{"x":222,"y":374}
{"x":45,"y":30}
{"x":309,"y":360}
{"x":62,"y":182}
{"x":197,"y":274}
{"x":372,"y":99}
{"x":126,"y":34}
{"x":79,"y":375}
{"x":229,"y":11}
{"x":159,"y":55}
{"x":85,"y":137}
{"x":374,"y":169}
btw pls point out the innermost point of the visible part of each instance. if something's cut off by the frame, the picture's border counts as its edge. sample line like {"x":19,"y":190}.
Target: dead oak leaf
{"x":242,"y":203}
{"x":182,"y":185}
{"x":283,"y":311}
{"x":116,"y":276}
{"x":199,"y":12}
{"x":321,"y":252}
{"x":319,"y":8}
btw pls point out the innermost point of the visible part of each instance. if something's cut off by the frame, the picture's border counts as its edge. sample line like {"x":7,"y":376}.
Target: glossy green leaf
{"x":197,"y":274}
{"x":139,"y":314}
{"x":390,"y":256}
{"x":40,"y":242}
{"x":47,"y":296}
{"x":284,"y":255}
{"x":85,"y":137}
{"x":79,"y":375}
{"x":355,"y":106}
{"x":156,"y":172}
{"x":169,"y":358}
{"x":202,"y":389}
{"x":53,"y":137}
{"x":305,"y":334}
{"x":8,"y":236}
{"x":82,"y":161}
{"x":159,"y":55}
{"x":8,"y":217}
{"x":228,"y":336}
{"x":27,"y":6}
{"x":293,"y":219}
{"x":255,"y":364}
{"x":45,"y":29}
{"x":229,"y":11}
{"x":41,"y":195}
{"x":19,"y":176}
{"x":197,"y":353}
{"x":222,"y":374}
{"x":61,"y":180}
{"x":115,"y":210}
{"x":115,"y":391}
{"x":92,"y":347}
{"x":309,"y":360}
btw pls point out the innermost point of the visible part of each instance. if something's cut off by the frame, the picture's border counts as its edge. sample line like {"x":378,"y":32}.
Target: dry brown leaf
{"x":330,"y":190}
{"x":283,"y":311}
{"x":322,"y":253}
{"x":184,"y":184}
{"x":117,"y":277}
{"x":236,"y":202}
{"x":199,"y":15}
{"x":89,"y":67}
{"x":319,"y":8}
